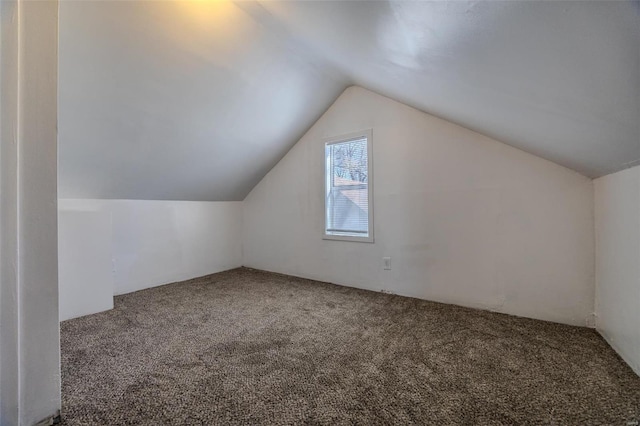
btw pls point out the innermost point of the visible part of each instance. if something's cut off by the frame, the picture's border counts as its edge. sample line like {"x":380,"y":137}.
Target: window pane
{"x":348,"y":192}
{"x":349,"y":162}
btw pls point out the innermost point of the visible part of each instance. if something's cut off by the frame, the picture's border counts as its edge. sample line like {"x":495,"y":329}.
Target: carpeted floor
{"x":251,"y":347}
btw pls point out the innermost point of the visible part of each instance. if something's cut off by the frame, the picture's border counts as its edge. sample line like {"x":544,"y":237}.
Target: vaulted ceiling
{"x":198,"y":100}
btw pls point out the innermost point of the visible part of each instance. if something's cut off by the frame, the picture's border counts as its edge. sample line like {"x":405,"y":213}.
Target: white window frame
{"x":368,"y":133}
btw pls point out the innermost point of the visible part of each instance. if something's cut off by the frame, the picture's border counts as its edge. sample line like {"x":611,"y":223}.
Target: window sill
{"x":351,"y":238}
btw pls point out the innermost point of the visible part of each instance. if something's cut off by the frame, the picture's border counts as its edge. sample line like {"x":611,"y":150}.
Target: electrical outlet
{"x":387,"y":263}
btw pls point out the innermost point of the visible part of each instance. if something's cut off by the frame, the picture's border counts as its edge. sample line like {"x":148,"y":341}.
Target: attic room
{"x":325,"y":212}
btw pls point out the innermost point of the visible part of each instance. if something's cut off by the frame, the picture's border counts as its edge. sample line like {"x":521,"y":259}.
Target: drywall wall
{"x":29,"y":330}
{"x":159,"y":242}
{"x":85,"y":267}
{"x":9,"y":358}
{"x":618,"y":262}
{"x":466,"y":219}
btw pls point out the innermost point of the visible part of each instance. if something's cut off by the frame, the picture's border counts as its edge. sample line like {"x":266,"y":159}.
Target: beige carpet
{"x":250,"y":347}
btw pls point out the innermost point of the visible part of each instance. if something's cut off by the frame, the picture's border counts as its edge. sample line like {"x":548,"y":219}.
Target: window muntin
{"x":348,"y":189}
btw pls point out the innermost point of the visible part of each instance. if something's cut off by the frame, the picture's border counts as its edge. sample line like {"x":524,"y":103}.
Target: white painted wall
{"x":85,"y":267}
{"x":618,"y":262}
{"x":29,"y":330}
{"x":466,"y":219}
{"x":155,"y":242}
{"x":9,"y":321}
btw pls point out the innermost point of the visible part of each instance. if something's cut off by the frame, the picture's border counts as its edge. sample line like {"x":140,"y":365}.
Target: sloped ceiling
{"x":178,"y":100}
{"x":197,"y":101}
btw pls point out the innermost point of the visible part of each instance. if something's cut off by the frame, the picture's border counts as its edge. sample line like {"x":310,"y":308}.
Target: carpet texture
{"x":251,"y":347}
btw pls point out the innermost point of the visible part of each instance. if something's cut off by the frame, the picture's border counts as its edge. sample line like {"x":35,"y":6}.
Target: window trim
{"x":367,"y":133}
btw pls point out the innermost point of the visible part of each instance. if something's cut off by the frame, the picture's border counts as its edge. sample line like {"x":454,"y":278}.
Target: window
{"x":348,"y":188}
